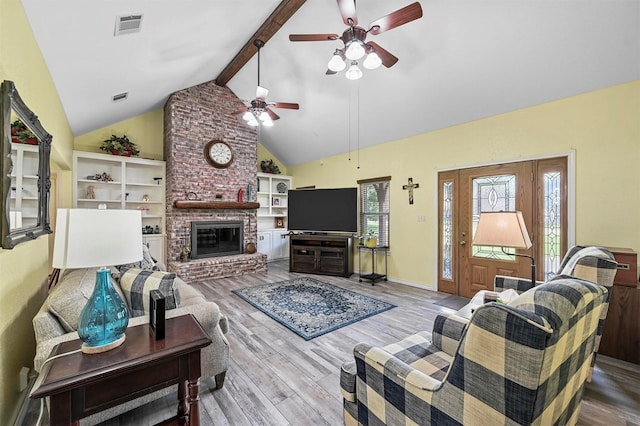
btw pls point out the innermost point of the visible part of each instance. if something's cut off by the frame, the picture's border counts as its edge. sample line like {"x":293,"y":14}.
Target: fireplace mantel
{"x":214,"y":205}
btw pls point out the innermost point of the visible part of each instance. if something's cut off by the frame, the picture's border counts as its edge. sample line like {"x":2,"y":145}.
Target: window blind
{"x":375,"y":205}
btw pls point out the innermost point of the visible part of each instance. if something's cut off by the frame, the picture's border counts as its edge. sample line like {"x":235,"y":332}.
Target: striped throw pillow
{"x":136,"y":285}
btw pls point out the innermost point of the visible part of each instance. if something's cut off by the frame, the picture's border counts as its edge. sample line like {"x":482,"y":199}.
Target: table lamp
{"x":504,"y":229}
{"x":86,"y":238}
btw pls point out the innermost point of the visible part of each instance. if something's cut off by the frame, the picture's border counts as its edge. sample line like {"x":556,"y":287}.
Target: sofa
{"x":57,"y":318}
{"x":525,"y":362}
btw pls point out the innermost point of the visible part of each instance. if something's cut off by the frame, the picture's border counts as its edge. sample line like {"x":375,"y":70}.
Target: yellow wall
{"x":24,"y":269}
{"x":145,"y":130}
{"x":603,"y":127}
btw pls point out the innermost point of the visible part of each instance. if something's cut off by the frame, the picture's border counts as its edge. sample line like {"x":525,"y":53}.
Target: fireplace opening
{"x":219,"y":238}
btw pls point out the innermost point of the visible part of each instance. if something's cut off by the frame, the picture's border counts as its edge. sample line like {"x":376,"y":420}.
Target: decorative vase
{"x":104,"y":319}
{"x":249,"y":193}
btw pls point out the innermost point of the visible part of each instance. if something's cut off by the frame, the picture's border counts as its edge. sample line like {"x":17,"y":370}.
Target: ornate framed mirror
{"x":24,"y":171}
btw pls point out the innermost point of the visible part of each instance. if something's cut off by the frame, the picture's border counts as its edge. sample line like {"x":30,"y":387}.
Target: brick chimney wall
{"x":192,"y":118}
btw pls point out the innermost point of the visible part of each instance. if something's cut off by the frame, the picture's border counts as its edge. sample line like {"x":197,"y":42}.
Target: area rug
{"x":453,"y":302}
{"x":311,"y":308}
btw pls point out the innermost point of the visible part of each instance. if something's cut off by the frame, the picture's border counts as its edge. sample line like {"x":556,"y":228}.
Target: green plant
{"x":21,"y":134}
{"x":268,"y":166}
{"x":120,"y":145}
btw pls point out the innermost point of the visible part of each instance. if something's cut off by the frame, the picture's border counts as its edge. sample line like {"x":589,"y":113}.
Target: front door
{"x":537,"y":188}
{"x":505,"y":187}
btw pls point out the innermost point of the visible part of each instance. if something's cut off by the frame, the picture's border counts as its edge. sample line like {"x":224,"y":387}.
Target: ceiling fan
{"x":259,"y":110}
{"x":354,"y":37}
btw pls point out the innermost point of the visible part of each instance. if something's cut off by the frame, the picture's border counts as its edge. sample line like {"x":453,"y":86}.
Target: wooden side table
{"x":80,"y":385}
{"x":621,"y":334}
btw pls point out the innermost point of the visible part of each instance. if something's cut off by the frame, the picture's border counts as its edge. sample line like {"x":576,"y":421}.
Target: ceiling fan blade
{"x":329,"y":72}
{"x":388,"y":60}
{"x":261,"y":93}
{"x":313,"y":37}
{"x":348,"y":12}
{"x":272,"y":114}
{"x":397,"y":18}
{"x":286,"y":105}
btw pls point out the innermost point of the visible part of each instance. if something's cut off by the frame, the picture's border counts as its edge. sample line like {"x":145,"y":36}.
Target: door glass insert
{"x":447,"y":230}
{"x":552,"y":223}
{"x":492,"y":194}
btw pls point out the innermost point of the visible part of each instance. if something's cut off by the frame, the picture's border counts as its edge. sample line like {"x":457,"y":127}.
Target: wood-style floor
{"x":277,"y":378}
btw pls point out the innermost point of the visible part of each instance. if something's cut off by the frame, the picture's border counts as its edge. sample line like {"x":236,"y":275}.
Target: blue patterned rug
{"x":311,"y":308}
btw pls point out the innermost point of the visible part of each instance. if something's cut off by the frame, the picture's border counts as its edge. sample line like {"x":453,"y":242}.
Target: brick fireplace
{"x":192,"y":118}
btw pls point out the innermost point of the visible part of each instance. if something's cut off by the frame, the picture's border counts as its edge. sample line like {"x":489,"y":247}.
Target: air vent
{"x":127,"y":24}
{"x":120,"y":97}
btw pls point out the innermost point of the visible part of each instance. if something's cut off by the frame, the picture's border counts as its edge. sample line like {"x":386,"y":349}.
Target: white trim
{"x":430,"y":287}
{"x":571,"y":193}
{"x":570,"y":153}
{"x":392,"y":280}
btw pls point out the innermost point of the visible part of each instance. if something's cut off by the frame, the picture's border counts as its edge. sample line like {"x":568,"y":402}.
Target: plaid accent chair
{"x":595,"y":264}
{"x":522,"y":363}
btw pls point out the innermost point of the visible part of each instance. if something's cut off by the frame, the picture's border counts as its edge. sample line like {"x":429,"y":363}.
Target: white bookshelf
{"x":137,"y":184}
{"x":23,"y":203}
{"x":272,"y":194}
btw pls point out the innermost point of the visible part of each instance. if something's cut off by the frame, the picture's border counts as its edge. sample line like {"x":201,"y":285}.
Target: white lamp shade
{"x":354,"y":51}
{"x":502,"y":229}
{"x":336,"y":63}
{"x":372,"y":61}
{"x":87,"y":238}
{"x":353,"y":73}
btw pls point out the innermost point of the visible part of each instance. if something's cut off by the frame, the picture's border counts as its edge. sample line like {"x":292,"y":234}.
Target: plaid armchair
{"x":522,"y":363}
{"x":595,"y":264}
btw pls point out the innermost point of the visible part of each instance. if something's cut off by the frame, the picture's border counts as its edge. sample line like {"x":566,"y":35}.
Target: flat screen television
{"x":323,"y":210}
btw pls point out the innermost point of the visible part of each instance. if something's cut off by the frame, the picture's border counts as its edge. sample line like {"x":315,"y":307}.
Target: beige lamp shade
{"x":86,"y":238}
{"x":502,"y":229}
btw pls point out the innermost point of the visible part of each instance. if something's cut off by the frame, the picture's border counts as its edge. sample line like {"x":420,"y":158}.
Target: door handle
{"x":463,"y":243}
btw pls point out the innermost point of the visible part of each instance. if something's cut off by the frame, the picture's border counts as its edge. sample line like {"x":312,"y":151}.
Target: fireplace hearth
{"x":216,"y":238}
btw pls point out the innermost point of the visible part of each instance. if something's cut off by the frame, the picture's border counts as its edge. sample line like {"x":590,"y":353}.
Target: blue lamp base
{"x":104,"y":318}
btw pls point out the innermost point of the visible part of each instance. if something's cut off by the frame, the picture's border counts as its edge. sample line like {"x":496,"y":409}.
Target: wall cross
{"x":411,"y":186}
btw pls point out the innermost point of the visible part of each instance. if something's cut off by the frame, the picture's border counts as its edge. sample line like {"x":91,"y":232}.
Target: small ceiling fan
{"x":354,"y":37}
{"x":259,"y":111}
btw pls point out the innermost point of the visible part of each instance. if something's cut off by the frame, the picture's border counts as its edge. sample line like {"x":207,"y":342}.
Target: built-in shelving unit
{"x":23,"y":205}
{"x":272,"y":194}
{"x":135,"y":184}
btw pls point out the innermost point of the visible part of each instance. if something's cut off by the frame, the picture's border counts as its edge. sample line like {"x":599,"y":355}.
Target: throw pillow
{"x":67,"y":299}
{"x":136,"y":285}
{"x":147,"y":263}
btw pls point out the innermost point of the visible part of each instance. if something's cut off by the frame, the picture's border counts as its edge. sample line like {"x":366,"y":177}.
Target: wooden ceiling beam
{"x":285,"y":10}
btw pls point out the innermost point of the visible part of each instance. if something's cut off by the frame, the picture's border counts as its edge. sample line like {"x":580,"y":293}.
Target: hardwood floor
{"x":277,"y":378}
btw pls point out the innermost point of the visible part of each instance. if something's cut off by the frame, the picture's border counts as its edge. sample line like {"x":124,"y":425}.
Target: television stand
{"x":321,"y":254}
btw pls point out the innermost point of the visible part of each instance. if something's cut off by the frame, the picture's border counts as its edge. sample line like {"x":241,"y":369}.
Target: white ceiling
{"x":462,"y":61}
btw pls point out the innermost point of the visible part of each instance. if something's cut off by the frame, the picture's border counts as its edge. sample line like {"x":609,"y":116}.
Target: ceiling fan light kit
{"x":259,"y":111}
{"x":353,"y":38}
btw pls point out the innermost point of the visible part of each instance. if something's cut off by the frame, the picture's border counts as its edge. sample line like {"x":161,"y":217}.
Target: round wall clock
{"x":218,"y":154}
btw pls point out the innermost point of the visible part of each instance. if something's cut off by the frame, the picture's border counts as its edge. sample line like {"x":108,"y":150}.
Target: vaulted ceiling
{"x":462,"y":61}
